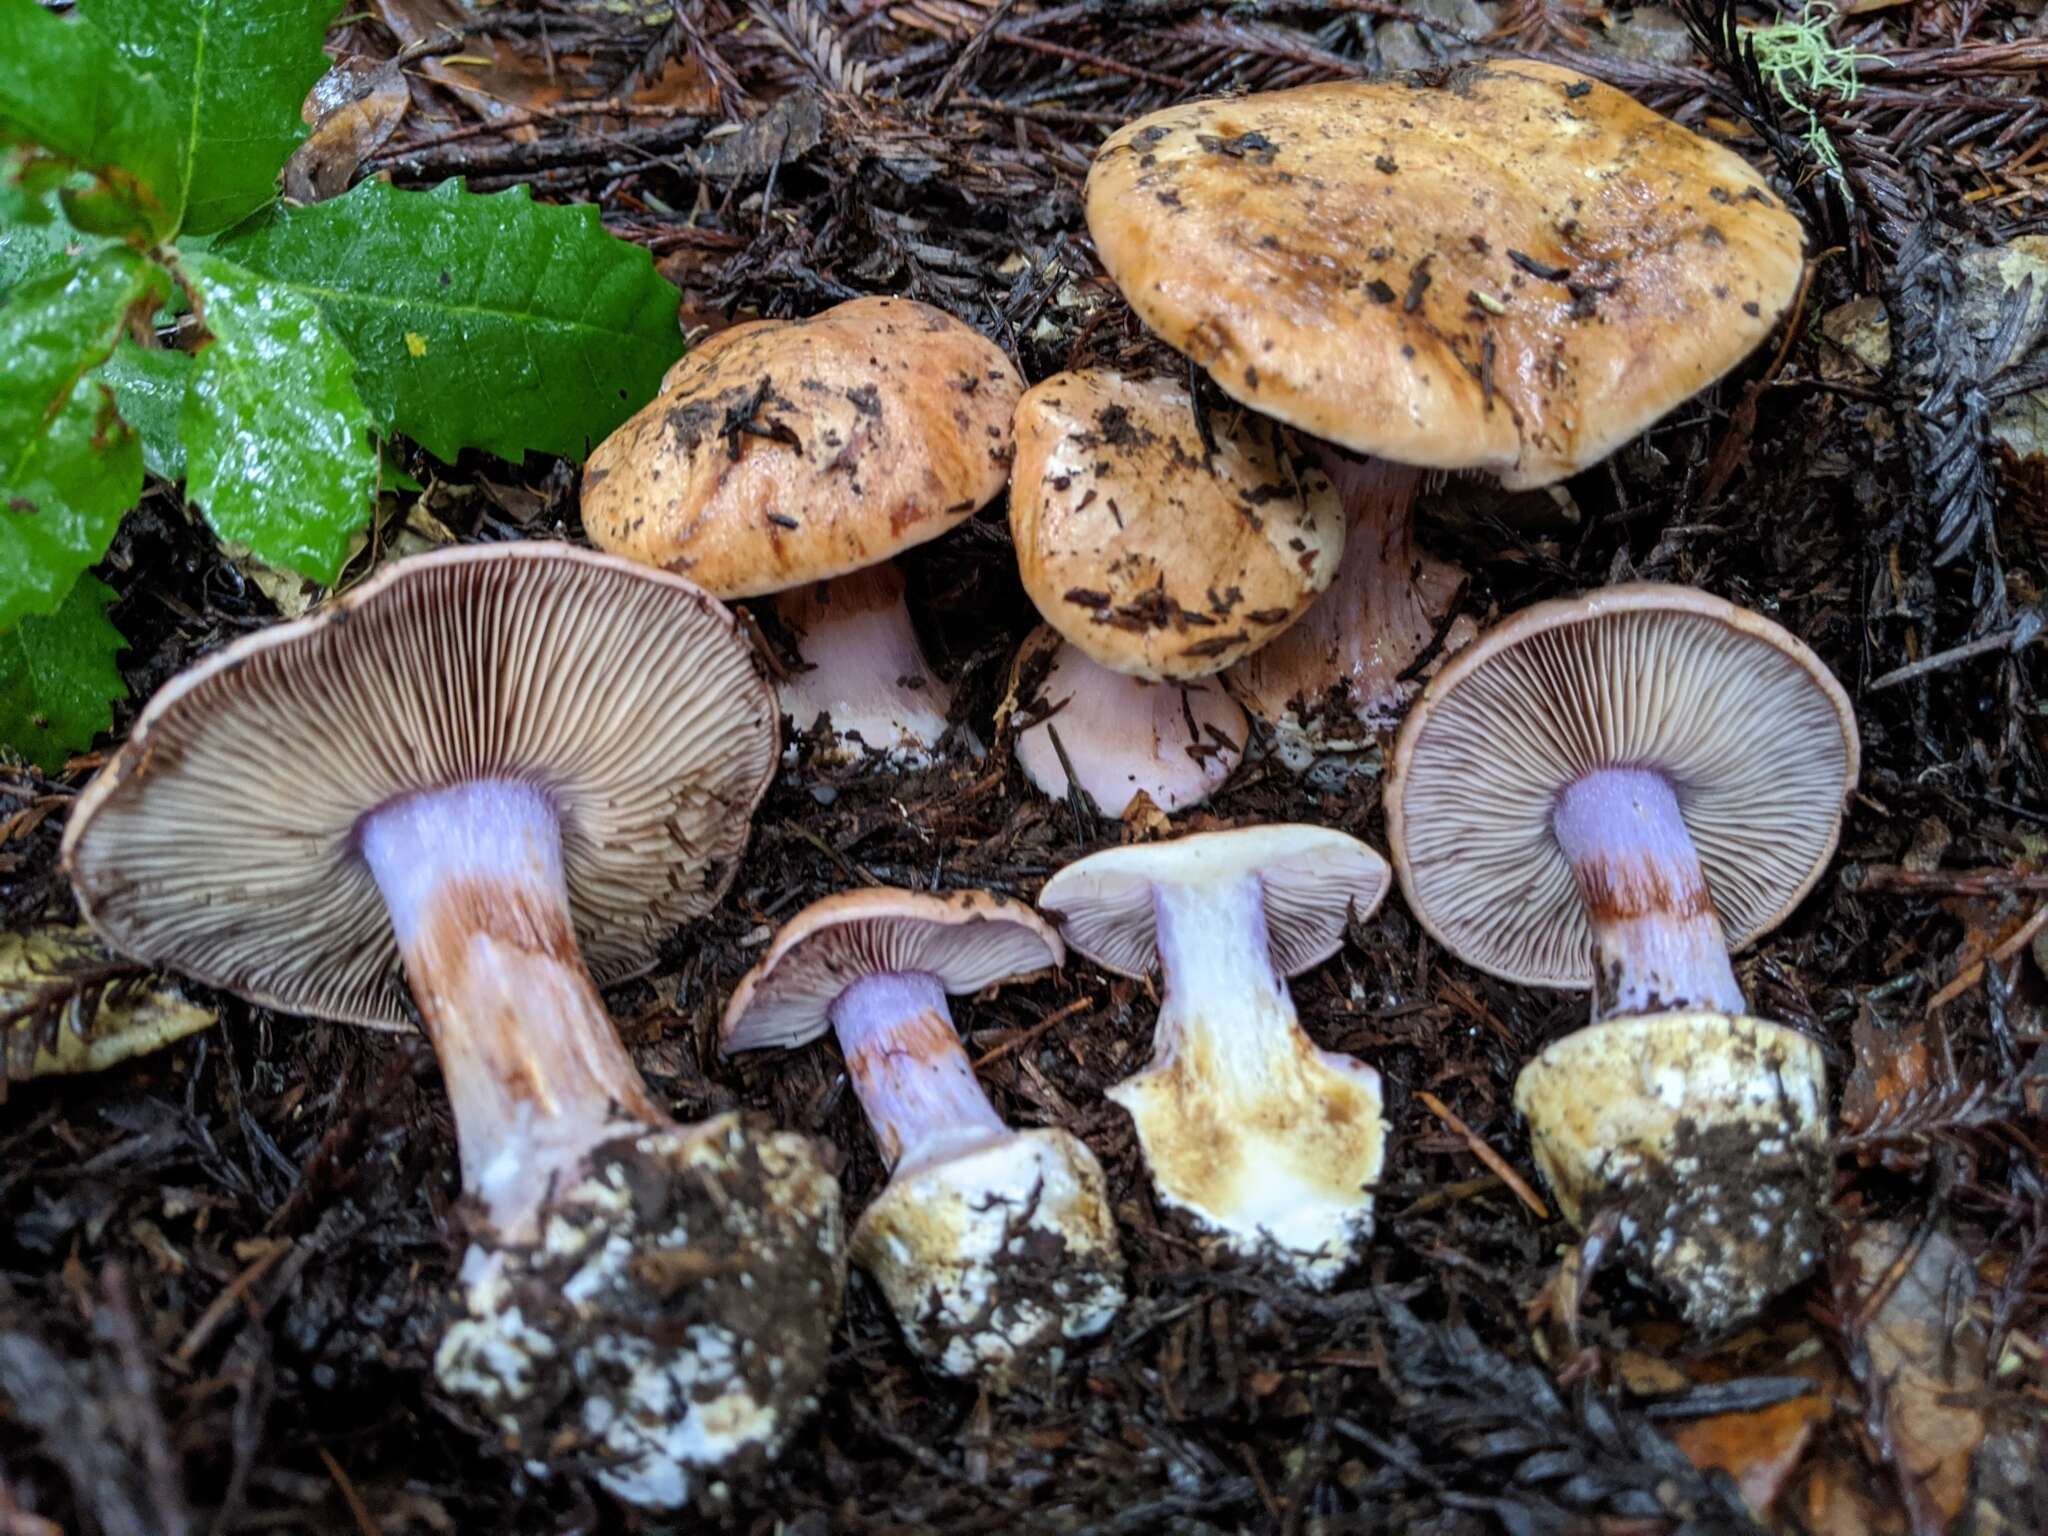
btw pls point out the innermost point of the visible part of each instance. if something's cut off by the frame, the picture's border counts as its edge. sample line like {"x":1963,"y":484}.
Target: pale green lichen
{"x":1799,"y":58}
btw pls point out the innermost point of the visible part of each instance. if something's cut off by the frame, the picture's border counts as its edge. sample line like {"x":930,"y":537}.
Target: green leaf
{"x":478,"y":321}
{"x":66,"y":88}
{"x":149,"y":385}
{"x":235,"y":73}
{"x":34,"y":237}
{"x":69,"y":467}
{"x":277,"y":443}
{"x":58,"y":680}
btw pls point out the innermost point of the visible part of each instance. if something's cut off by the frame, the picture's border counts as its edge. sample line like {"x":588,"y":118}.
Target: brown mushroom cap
{"x":1150,"y":557}
{"x":1754,"y":734}
{"x":1315,"y":880}
{"x":968,"y":939}
{"x":1515,"y":270}
{"x":781,"y":452}
{"x":220,"y":841}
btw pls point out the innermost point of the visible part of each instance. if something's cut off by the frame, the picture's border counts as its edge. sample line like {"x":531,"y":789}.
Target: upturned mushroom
{"x":1512,"y":270}
{"x":787,"y":456}
{"x":994,"y":1247}
{"x":491,"y":779}
{"x":1268,"y":1144}
{"x":1610,"y":792}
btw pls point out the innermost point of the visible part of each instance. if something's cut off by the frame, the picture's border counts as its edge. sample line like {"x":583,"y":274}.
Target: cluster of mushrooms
{"x":488,"y":781}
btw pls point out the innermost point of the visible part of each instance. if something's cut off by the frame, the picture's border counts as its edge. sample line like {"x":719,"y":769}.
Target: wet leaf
{"x":1893,"y":1064}
{"x":58,"y":680}
{"x":66,"y":89}
{"x":276,"y":438}
{"x":56,"y":976}
{"x":149,"y":386}
{"x":1759,"y":1450}
{"x":34,"y":237}
{"x":480,"y":321}
{"x":362,"y":106}
{"x":234,"y":72}
{"x":69,"y":464}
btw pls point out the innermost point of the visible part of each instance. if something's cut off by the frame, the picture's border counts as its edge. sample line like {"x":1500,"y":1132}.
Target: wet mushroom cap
{"x":1754,"y":734}
{"x":1515,"y":270}
{"x":1314,"y":882}
{"x":967,"y":939}
{"x":220,"y":840}
{"x":784,"y":452}
{"x":1152,"y":556}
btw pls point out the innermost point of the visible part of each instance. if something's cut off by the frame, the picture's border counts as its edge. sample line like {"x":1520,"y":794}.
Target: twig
{"x":2005,"y":640}
{"x":1493,"y":1160}
{"x":1974,"y":972}
{"x":1942,"y":882}
{"x":1019,"y":1041}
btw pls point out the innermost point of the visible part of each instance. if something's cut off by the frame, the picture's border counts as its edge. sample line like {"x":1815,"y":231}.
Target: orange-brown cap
{"x":1152,"y":557}
{"x":968,"y":939}
{"x":221,"y":839}
{"x":1516,"y":269}
{"x":782,"y":452}
{"x":1754,"y":734}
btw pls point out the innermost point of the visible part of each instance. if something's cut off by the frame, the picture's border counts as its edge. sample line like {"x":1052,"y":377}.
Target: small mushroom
{"x":489,"y":779}
{"x":1512,"y":270}
{"x":1117,"y":736}
{"x":1150,"y":552}
{"x":780,"y":455}
{"x":995,"y":1248}
{"x":1269,"y":1144}
{"x":1608,"y":792}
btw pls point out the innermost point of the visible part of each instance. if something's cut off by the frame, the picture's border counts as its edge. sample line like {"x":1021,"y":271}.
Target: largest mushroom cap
{"x":220,"y":841}
{"x":783,"y":452}
{"x":1755,"y":736}
{"x":1515,"y":270}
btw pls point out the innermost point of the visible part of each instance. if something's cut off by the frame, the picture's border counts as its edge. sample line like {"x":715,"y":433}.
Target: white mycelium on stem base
{"x":1268,"y":1143}
{"x":1335,"y":678}
{"x":865,"y":671}
{"x":1603,"y":793}
{"x":995,"y":1247}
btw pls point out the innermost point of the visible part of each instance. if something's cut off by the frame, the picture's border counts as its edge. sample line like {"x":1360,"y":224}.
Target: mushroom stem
{"x":472,"y":878}
{"x":1223,"y":1004}
{"x":1336,"y":675}
{"x":1658,"y":946}
{"x":866,"y":672}
{"x":907,"y":1065}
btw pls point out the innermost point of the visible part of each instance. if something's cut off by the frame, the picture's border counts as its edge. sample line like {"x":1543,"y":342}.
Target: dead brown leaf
{"x":354,"y":109}
{"x":1759,"y":1450}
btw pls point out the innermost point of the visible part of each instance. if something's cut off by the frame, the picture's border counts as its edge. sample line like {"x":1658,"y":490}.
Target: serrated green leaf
{"x":277,"y":441}
{"x":65,"y":87}
{"x":235,"y":73}
{"x":478,"y":321}
{"x":69,"y":467}
{"x":149,"y":385}
{"x":58,"y":681}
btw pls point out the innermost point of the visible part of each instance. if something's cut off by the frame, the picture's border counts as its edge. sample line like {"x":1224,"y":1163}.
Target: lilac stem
{"x":1658,"y":946}
{"x":1222,"y":1000}
{"x":907,"y":1065}
{"x":472,"y":879}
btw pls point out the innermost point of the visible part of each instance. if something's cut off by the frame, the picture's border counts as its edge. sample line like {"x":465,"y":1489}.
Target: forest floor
{"x":223,"y":1267}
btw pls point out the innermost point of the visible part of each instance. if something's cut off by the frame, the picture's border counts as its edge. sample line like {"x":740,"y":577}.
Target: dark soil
{"x":223,"y":1268}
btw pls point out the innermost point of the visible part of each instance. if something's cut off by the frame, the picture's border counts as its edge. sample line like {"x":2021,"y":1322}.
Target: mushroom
{"x":493,"y":778}
{"x":995,"y":1248}
{"x":1118,"y":737}
{"x":1512,"y":270}
{"x":1269,"y":1144}
{"x":1609,"y":792}
{"x":780,"y":455}
{"x":1153,"y":553}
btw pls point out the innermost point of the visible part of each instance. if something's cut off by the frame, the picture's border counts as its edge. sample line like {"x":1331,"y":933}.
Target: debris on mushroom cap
{"x":997,"y":1259}
{"x":967,"y":939}
{"x":1121,"y":736}
{"x":683,"y":1295}
{"x":445,"y":667}
{"x":863,"y":672}
{"x":1270,"y":1145}
{"x":1151,"y":554}
{"x":785,"y":452}
{"x":1755,"y":736}
{"x":1706,"y":1134}
{"x":1516,"y":269}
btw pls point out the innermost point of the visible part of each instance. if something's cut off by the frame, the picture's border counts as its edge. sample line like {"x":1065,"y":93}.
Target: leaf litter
{"x":219,"y":1291}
